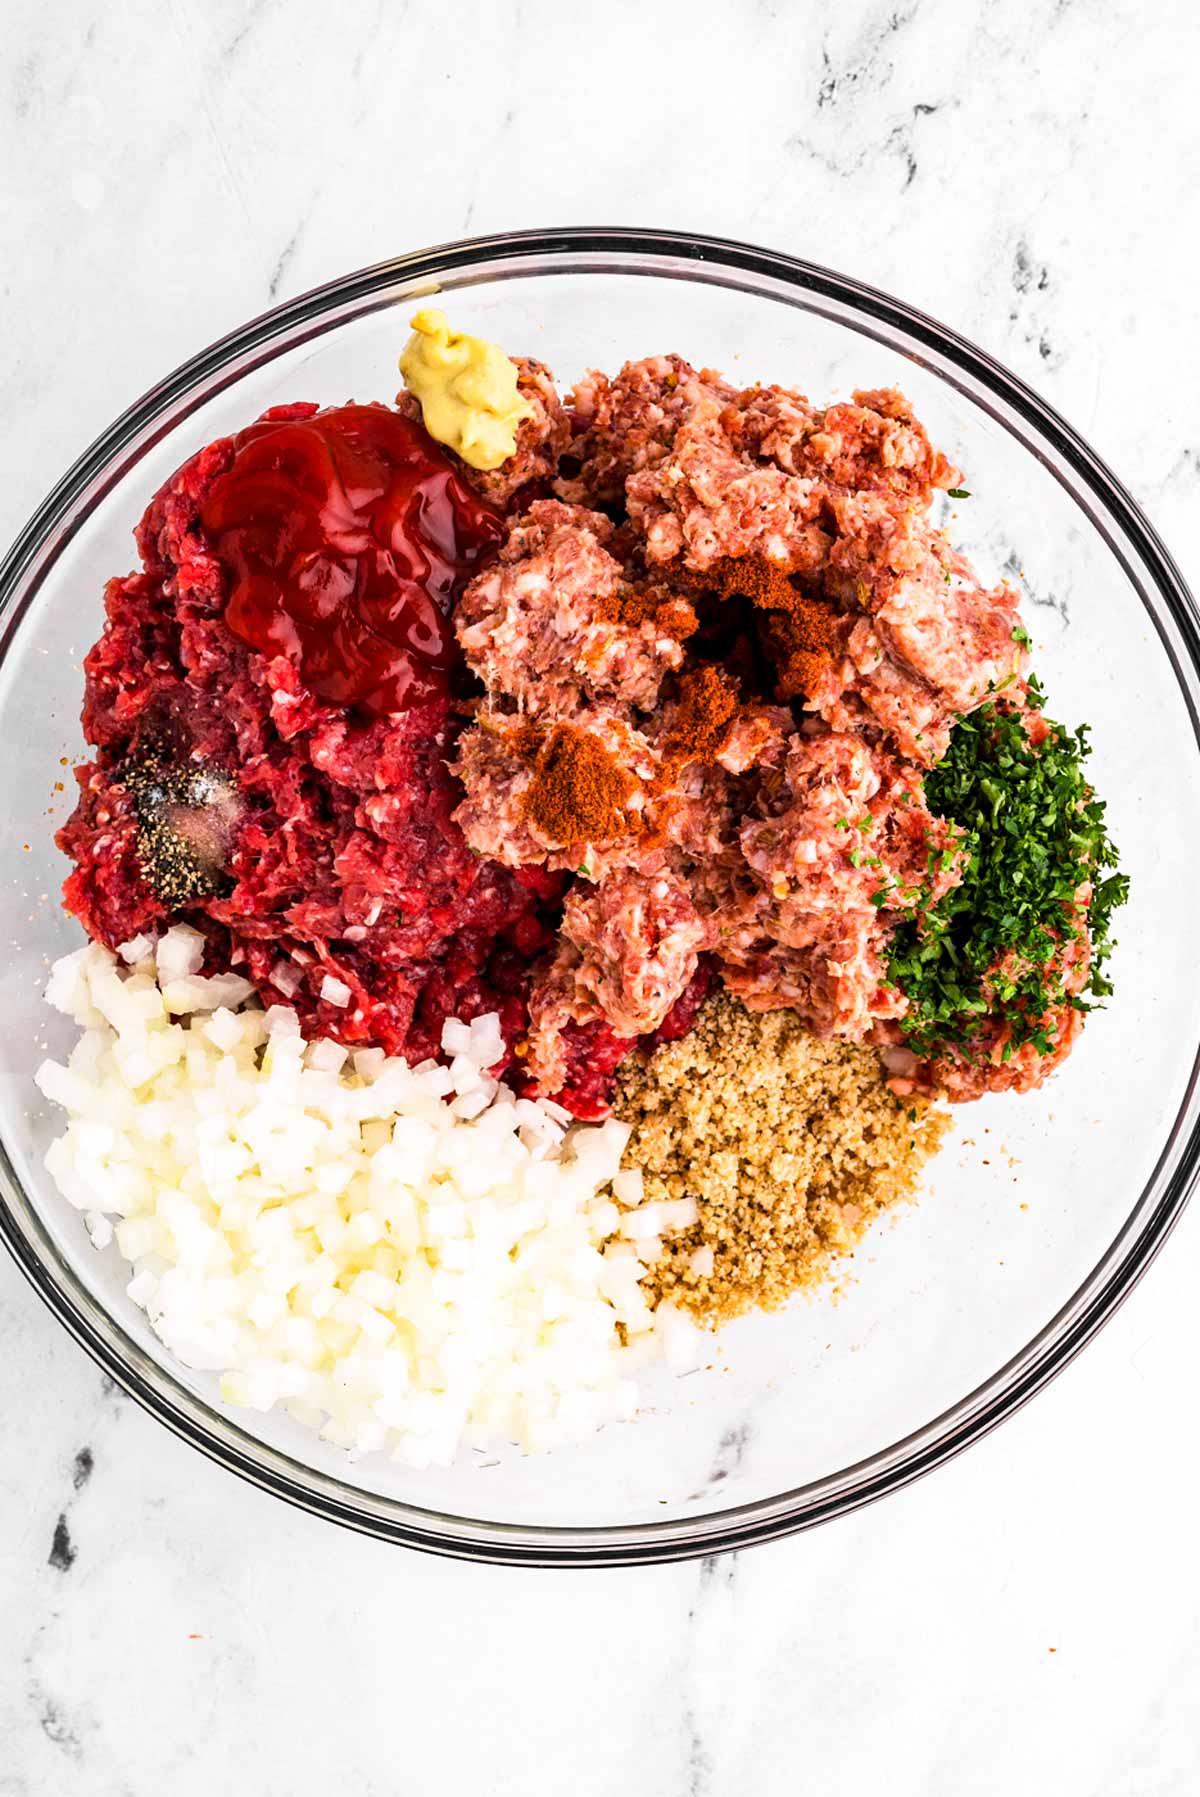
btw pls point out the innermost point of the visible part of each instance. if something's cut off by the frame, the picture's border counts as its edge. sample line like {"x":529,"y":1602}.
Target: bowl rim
{"x":668,"y":253}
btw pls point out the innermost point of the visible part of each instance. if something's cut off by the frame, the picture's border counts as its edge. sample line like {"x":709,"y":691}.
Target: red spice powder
{"x":798,"y":632}
{"x":578,"y":792}
{"x":671,"y":614}
{"x":708,"y":704}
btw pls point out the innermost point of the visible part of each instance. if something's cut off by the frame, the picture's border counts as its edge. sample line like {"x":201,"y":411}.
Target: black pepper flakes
{"x":187,"y":817}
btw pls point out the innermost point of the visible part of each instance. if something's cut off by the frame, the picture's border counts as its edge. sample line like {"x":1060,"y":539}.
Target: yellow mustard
{"x":467,"y":388}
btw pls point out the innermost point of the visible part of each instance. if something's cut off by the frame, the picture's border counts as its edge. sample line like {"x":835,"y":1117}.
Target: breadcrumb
{"x":790,"y":1145}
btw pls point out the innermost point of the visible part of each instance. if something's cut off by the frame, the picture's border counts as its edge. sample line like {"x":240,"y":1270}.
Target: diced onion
{"x":406,"y":1257}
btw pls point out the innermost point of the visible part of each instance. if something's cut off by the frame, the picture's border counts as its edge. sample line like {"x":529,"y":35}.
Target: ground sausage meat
{"x":630,"y":947}
{"x":687,"y":681}
{"x":850,"y":635}
{"x":547,"y":623}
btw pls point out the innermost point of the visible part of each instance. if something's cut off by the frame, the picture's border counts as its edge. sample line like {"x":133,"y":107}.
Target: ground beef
{"x":346,"y":870}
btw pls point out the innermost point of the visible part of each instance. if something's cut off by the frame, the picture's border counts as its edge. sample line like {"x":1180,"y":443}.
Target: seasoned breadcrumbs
{"x":789,"y":1145}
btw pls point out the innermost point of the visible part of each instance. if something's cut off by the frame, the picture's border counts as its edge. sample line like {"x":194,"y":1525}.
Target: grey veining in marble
{"x":1029,"y":1619}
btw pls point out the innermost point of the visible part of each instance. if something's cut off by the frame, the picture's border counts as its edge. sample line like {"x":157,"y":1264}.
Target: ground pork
{"x":543,"y":624}
{"x":873,"y":440}
{"x":705,"y":501}
{"x":837,"y":499}
{"x":495,"y":765}
{"x":629,"y":948}
{"x":767,"y":836}
{"x":839,"y":842}
{"x":629,"y":423}
{"x":717,"y":473}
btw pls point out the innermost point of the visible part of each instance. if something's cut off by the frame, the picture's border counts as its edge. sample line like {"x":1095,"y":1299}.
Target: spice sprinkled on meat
{"x":187,"y":820}
{"x":578,"y":788}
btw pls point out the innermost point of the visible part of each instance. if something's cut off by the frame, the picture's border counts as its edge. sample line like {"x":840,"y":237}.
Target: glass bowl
{"x":1043,"y":1210}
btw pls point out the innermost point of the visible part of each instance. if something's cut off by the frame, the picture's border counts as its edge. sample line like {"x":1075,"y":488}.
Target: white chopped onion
{"x":138,"y":948}
{"x":180,"y":952}
{"x":284,"y":975}
{"x":407,"y":1257}
{"x":628,"y":1186}
{"x":682,"y":1342}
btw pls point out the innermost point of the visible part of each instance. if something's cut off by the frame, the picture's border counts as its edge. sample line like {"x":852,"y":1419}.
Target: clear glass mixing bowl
{"x":1043,"y":1210}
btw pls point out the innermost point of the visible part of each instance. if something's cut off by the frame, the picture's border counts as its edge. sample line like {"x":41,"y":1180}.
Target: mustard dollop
{"x":467,"y":388}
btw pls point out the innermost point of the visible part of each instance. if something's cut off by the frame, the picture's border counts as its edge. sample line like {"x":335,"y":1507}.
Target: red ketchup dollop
{"x":347,"y":536}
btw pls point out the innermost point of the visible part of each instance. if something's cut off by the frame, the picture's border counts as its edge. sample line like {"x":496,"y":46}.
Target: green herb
{"x":992,"y":949}
{"x":958,"y":492}
{"x":855,"y":858}
{"x":843,"y":823}
{"x":867,"y":825}
{"x":585,"y":870}
{"x":1020,"y":635}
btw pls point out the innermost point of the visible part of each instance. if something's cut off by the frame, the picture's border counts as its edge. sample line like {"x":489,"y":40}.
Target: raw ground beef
{"x":344,"y":872}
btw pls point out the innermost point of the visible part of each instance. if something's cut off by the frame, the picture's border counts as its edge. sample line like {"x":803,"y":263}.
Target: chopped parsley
{"x":1019,"y":634}
{"x":958,"y":492}
{"x":584,"y":870}
{"x":992,"y":948}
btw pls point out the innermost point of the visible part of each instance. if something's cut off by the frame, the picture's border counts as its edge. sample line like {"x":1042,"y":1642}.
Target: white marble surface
{"x":1028,"y":1620}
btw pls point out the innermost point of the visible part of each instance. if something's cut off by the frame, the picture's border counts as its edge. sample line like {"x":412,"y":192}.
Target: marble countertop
{"x":1028,"y":1619}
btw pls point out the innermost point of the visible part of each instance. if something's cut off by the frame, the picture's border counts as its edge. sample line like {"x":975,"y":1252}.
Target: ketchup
{"x":347,"y":536}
